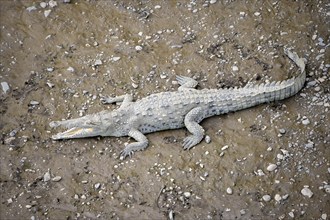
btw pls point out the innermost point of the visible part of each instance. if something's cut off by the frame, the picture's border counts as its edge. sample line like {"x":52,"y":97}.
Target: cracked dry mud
{"x":266,"y":162}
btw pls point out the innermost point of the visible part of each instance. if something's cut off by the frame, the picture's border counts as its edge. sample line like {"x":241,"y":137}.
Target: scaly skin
{"x":186,"y":107}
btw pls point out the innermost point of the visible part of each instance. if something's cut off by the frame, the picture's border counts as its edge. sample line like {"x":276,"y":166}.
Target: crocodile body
{"x":186,"y":107}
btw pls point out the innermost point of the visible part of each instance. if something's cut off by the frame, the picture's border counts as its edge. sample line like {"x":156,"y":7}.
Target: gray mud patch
{"x":267,"y":162}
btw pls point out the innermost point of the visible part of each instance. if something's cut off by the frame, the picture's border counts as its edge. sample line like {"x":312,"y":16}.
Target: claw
{"x":189,"y":142}
{"x":124,"y":153}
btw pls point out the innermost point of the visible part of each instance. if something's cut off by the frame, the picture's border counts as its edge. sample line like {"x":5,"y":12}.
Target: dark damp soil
{"x":267,"y":162}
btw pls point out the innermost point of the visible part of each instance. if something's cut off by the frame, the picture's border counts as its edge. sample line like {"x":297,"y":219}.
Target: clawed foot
{"x":126,"y":152}
{"x":106,"y":99}
{"x":191,"y":141}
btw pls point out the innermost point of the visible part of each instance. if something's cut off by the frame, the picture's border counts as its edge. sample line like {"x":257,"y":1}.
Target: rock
{"x":31,"y":8}
{"x":43,"y":4}
{"x":97,"y":185}
{"x":271,"y":167}
{"x":213,"y":1}
{"x":234,"y":68}
{"x":278,"y":198}
{"x":46,"y":177}
{"x":305,"y":121}
{"x":187,"y":194}
{"x":5,"y":87}
{"x":307,"y":192}
{"x":282,"y":131}
{"x":229,"y":191}
{"x":257,"y":13}
{"x":114,"y":59}
{"x":138,"y":48}
{"x":34,"y":102}
{"x":207,"y":139}
{"x":266,"y":198}
{"x":47,"y":13}
{"x":71,"y":69}
{"x":10,"y":140}
{"x":56,"y":179}
{"x":98,"y":62}
{"x":52,"y":3}
{"x":66,"y":1}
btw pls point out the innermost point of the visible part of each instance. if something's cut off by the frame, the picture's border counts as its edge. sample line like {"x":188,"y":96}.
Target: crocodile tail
{"x":282,"y":89}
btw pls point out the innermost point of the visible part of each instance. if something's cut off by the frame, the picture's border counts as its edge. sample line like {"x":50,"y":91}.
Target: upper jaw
{"x":78,"y":132}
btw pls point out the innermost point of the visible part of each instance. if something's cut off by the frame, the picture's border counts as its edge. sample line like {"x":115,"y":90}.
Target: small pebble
{"x":229,"y":191}
{"x":115,"y":59}
{"x":34,"y":102}
{"x":46,"y":177}
{"x":187,"y":194}
{"x":98,"y":62}
{"x":235,"y":68}
{"x":43,"y":4}
{"x":305,"y":121}
{"x":71,"y":69}
{"x":56,"y":178}
{"x":50,"y":69}
{"x":271,"y":167}
{"x":307,"y":192}
{"x":266,"y":198}
{"x":207,"y":139}
{"x":278,"y":197}
{"x":47,"y":13}
{"x":282,"y":131}
{"x":97,"y":185}
{"x":52,"y":3}
{"x":138,"y":48}
{"x":257,"y":13}
{"x":213,"y":1}
{"x":5,"y":87}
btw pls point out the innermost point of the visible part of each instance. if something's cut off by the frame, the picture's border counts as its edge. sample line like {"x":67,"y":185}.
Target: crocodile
{"x":186,"y":107}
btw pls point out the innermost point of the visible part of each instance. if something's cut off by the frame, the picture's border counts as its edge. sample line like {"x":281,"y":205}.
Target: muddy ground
{"x":267,"y":162}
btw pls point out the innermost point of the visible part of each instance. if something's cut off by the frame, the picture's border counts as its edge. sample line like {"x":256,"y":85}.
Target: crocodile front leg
{"x":191,"y":121}
{"x":142,"y":143}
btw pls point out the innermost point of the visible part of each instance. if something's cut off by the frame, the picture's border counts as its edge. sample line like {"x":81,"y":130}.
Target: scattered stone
{"x":187,"y":194}
{"x":71,"y":69}
{"x":56,"y":179}
{"x":5,"y":87}
{"x":34,"y":102}
{"x":98,"y":62}
{"x":43,"y":4}
{"x":306,"y":192}
{"x":52,"y":3}
{"x":84,"y":181}
{"x":114,"y":59}
{"x":278,"y":197}
{"x":282,"y":131}
{"x":266,"y":198}
{"x":310,"y":144}
{"x":235,"y":68}
{"x":225,"y":147}
{"x":50,"y":69}
{"x":50,"y":85}
{"x":229,"y":191}
{"x":46,"y":177}
{"x":135,"y":85}
{"x":66,"y":1}
{"x":207,"y":139}
{"x":257,"y":13}
{"x":158,"y":7}
{"x":31,"y":8}
{"x":47,"y":13}
{"x":305,"y":121}
{"x":271,"y":167}
{"x":97,"y":185}
{"x":10,"y":200}
{"x":138,"y":48}
{"x":213,"y":1}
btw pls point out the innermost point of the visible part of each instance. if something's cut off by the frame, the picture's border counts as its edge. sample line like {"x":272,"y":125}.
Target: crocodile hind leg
{"x":191,"y":121}
{"x":124,"y":99}
{"x":186,"y":82}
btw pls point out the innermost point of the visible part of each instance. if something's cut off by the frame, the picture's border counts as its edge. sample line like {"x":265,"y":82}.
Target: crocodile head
{"x":100,"y":124}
